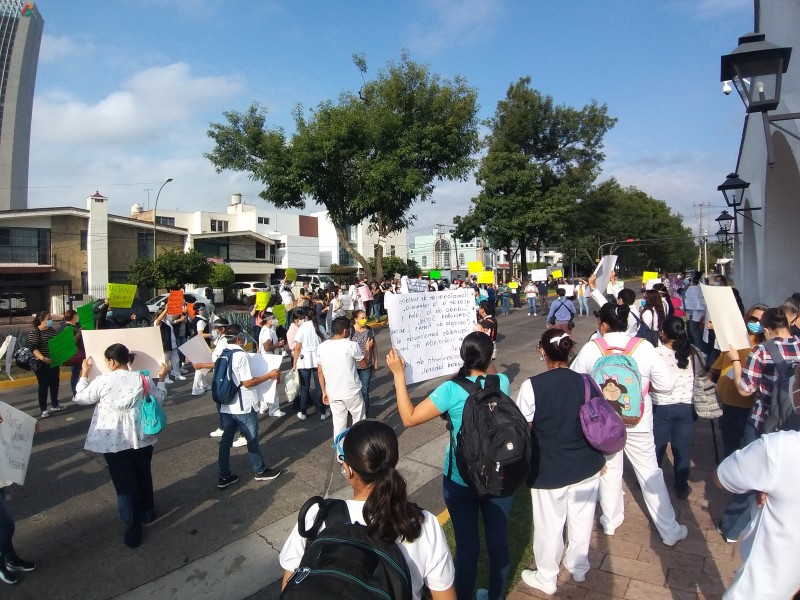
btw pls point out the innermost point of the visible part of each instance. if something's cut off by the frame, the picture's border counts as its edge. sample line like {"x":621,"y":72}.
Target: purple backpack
{"x":602,"y":426}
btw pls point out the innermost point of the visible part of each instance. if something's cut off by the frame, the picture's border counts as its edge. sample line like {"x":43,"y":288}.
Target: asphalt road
{"x":66,"y":512}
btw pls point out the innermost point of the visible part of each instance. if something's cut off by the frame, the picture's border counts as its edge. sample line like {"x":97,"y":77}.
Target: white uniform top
{"x":694,"y":304}
{"x":265,"y":334}
{"x":428,"y":556}
{"x":338,"y":359}
{"x":651,"y":368}
{"x":772,"y":539}
{"x":684,"y":379}
{"x":241,"y":372}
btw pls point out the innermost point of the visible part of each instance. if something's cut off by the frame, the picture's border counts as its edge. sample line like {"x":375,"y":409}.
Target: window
{"x":351,"y":233}
{"x":263,"y":220}
{"x":424,"y":262}
{"x":441,"y":254}
{"x":212,"y":248}
{"x":261,"y":250}
{"x":169,"y":221}
{"x":145,"y":244}
{"x":391,"y":251}
{"x":84,"y":239}
{"x":461,"y":259}
{"x":219,"y":225}
{"x":25,"y":245}
{"x":345,"y":259}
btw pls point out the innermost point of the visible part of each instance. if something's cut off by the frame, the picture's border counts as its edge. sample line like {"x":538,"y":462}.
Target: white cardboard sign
{"x":196,"y":350}
{"x":569,"y":290}
{"x":261,"y":364}
{"x":144,"y":342}
{"x":538,"y":275}
{"x":7,"y":349}
{"x":16,"y":440}
{"x":604,"y":270}
{"x":729,"y":325}
{"x":427,"y":329}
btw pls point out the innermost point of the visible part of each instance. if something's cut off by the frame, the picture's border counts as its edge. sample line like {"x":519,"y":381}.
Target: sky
{"x":126,"y":89}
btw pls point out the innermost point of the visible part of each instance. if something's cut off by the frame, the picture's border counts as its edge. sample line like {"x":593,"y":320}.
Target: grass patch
{"x":520,"y":540}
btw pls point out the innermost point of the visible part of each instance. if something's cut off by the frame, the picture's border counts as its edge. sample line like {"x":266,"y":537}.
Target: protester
{"x":531,"y":292}
{"x":565,"y":470}
{"x":487,"y":323}
{"x":504,"y":293}
{"x":673,"y":412}
{"x":582,"y":293}
{"x":337,"y":362}
{"x":74,"y":363}
{"x":46,"y":375}
{"x":639,"y":447}
{"x":115,"y":432}
{"x":169,"y":343}
{"x":543,"y":291}
{"x":364,"y":337}
{"x":268,"y":342}
{"x":242,"y":414}
{"x":306,"y":342}
{"x":768,"y":469}
{"x":369,"y":454}
{"x":562,"y":311}
{"x":461,"y":500}
{"x":791,"y":306}
{"x":695,"y":306}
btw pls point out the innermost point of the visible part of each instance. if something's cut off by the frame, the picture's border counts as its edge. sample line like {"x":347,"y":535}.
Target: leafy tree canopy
{"x":172,"y":270}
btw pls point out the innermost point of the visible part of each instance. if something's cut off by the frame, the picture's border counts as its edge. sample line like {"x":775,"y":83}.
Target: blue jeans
{"x":673,"y":424}
{"x":583,"y":305}
{"x":463,"y":505}
{"x":6,"y":529}
{"x":737,"y":514}
{"x":505,"y":303}
{"x":74,"y":377}
{"x":365,"y":376}
{"x":130,"y":473}
{"x":532,"y":304}
{"x":247,"y":424}
{"x":306,"y":375}
{"x":731,"y":426}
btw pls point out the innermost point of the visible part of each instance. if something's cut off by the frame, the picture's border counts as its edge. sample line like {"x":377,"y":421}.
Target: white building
{"x":441,"y":251}
{"x":331,"y":251}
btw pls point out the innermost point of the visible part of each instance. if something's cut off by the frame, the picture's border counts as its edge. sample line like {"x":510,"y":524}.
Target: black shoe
{"x":18,"y":564}
{"x":6,"y":576}
{"x":683,"y":494}
{"x":268,"y":474}
{"x":148,"y":517}
{"x":226,"y":481}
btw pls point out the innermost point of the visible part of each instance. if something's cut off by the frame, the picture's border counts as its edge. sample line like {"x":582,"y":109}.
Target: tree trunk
{"x":378,"y":262}
{"x":342,"y":237}
{"x":523,"y":260}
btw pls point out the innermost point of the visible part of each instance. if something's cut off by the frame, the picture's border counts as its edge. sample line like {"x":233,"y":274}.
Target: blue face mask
{"x":49,"y":322}
{"x":755,"y":328}
{"x":644,"y":303}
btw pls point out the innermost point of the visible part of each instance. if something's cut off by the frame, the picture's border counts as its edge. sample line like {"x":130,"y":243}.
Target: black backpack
{"x":493,"y":446}
{"x":783,"y":412}
{"x":223,"y":390}
{"x":645,"y":331}
{"x":342,"y":562}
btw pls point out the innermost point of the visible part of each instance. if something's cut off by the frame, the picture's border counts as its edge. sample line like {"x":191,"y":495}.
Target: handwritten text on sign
{"x":427,"y":330}
{"x":16,"y":439}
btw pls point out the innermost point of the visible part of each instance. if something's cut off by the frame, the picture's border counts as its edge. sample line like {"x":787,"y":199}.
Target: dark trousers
{"x":47,"y":377}
{"x":306,"y":375}
{"x":130,"y":473}
{"x":464,"y":505}
{"x":737,"y":514}
{"x":731,"y":426}
{"x":6,"y":529}
{"x":673,"y":424}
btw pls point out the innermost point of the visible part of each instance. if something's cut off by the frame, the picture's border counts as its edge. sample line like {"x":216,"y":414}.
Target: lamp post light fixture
{"x":756,"y":68}
{"x":733,"y":189}
{"x":724,"y":220}
{"x":155,"y":208}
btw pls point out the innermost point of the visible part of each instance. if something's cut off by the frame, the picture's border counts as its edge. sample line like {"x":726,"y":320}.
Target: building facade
{"x":442,"y":251}
{"x":364,"y":241}
{"x":21,"y":28}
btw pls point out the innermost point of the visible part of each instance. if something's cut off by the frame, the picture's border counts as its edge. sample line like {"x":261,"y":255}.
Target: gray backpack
{"x":783,"y":412}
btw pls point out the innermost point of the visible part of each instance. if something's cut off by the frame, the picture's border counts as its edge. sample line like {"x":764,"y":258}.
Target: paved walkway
{"x":634,"y":564}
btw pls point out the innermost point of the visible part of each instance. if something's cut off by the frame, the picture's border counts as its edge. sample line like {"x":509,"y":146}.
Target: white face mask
{"x":215,"y":335}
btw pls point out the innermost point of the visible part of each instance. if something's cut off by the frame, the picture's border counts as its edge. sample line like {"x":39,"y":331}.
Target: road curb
{"x":12,"y":384}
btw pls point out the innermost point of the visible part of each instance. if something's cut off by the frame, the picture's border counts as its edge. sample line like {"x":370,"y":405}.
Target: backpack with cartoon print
{"x":617,"y":375}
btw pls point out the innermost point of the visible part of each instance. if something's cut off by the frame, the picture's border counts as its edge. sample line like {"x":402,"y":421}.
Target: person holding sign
{"x":115,"y":432}
{"x":46,"y":375}
{"x":71,"y":322}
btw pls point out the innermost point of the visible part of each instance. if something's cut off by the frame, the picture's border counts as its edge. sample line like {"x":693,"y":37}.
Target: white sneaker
{"x":578,"y":577}
{"x":301,"y":416}
{"x":684,"y":532}
{"x":179,"y":377}
{"x":277,"y":413}
{"x":216,"y":433}
{"x":325,"y":415}
{"x":532,"y":579}
{"x":239,"y":442}
{"x":198,"y":393}
{"x":168,"y":380}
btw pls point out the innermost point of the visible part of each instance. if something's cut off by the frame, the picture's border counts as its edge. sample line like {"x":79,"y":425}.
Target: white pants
{"x":175,"y":359}
{"x":340,"y":409}
{"x":641,"y":452}
{"x":199,"y":384}
{"x":573,"y":505}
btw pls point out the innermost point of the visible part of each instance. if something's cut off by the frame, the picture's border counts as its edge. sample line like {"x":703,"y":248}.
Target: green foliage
{"x":370,"y":156}
{"x":222,"y":275}
{"x":541,"y":157}
{"x":395,"y":264}
{"x":342,"y":270}
{"x":142,"y":272}
{"x":173,"y":270}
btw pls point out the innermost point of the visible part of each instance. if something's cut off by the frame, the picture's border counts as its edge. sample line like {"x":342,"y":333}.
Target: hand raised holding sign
{"x":395,"y":362}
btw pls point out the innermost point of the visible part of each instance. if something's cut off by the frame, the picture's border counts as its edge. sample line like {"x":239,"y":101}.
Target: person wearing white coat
{"x":640,"y":446}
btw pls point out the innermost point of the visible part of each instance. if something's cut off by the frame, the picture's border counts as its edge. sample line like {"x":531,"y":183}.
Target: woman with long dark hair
{"x":673,"y":413}
{"x":361,"y":334}
{"x":309,"y":336}
{"x":653,"y":314}
{"x":462,"y":501}
{"x":565,"y":470}
{"x":46,"y":375}
{"x":369,"y":454}
{"x":115,"y":432}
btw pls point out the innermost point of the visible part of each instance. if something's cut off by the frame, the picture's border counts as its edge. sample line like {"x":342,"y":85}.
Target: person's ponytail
{"x":388,"y":513}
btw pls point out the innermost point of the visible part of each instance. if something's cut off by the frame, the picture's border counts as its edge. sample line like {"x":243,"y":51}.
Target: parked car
{"x":157,"y":304}
{"x":122,"y":316}
{"x":244,"y":292}
{"x":13,"y":303}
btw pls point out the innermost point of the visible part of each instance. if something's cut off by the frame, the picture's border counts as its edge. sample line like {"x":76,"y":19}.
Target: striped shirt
{"x":759,"y":375}
{"x":37,"y":340}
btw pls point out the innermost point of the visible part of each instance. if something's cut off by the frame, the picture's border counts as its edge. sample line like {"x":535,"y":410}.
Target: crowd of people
{"x":667,"y":336}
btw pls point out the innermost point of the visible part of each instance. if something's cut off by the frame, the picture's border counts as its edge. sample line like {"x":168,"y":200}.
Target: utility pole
{"x":148,"y":190}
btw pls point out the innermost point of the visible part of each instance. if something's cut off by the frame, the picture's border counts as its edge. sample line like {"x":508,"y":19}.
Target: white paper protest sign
{"x":650,"y":283}
{"x":196,"y":350}
{"x":729,"y":325}
{"x":144,"y":342}
{"x":7,"y":349}
{"x":261,"y":364}
{"x":427,"y":330}
{"x":538,"y":275}
{"x":604,"y":270}
{"x":569,"y":290}
{"x":16,"y":440}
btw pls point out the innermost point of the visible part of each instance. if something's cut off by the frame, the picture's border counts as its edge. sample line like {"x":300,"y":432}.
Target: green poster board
{"x":62,"y":347}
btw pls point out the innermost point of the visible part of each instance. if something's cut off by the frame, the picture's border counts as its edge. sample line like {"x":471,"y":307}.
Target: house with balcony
{"x":360,"y":237}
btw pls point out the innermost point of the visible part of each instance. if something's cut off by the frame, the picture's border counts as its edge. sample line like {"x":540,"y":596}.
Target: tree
{"x":366,"y":157}
{"x":221,"y":276}
{"x":541,"y":158}
{"x":395,"y":264}
{"x":176,"y":268}
{"x":142,"y":273}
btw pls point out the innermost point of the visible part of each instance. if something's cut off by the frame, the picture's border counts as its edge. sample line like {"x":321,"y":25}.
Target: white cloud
{"x":708,"y":9}
{"x":145,"y":108}
{"x":454,"y":22}
{"x":57,"y":48}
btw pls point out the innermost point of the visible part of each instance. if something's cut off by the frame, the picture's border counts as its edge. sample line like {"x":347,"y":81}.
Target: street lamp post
{"x":155,"y":208}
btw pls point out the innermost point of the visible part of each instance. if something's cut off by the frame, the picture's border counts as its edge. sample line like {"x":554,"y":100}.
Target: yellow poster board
{"x":648,"y":275}
{"x":486,"y":277}
{"x":120,"y":295}
{"x":556,"y":274}
{"x":291,"y":274}
{"x":513,"y":284}
{"x":475,"y":267}
{"x":279,"y":310}
{"x":262,"y":299}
